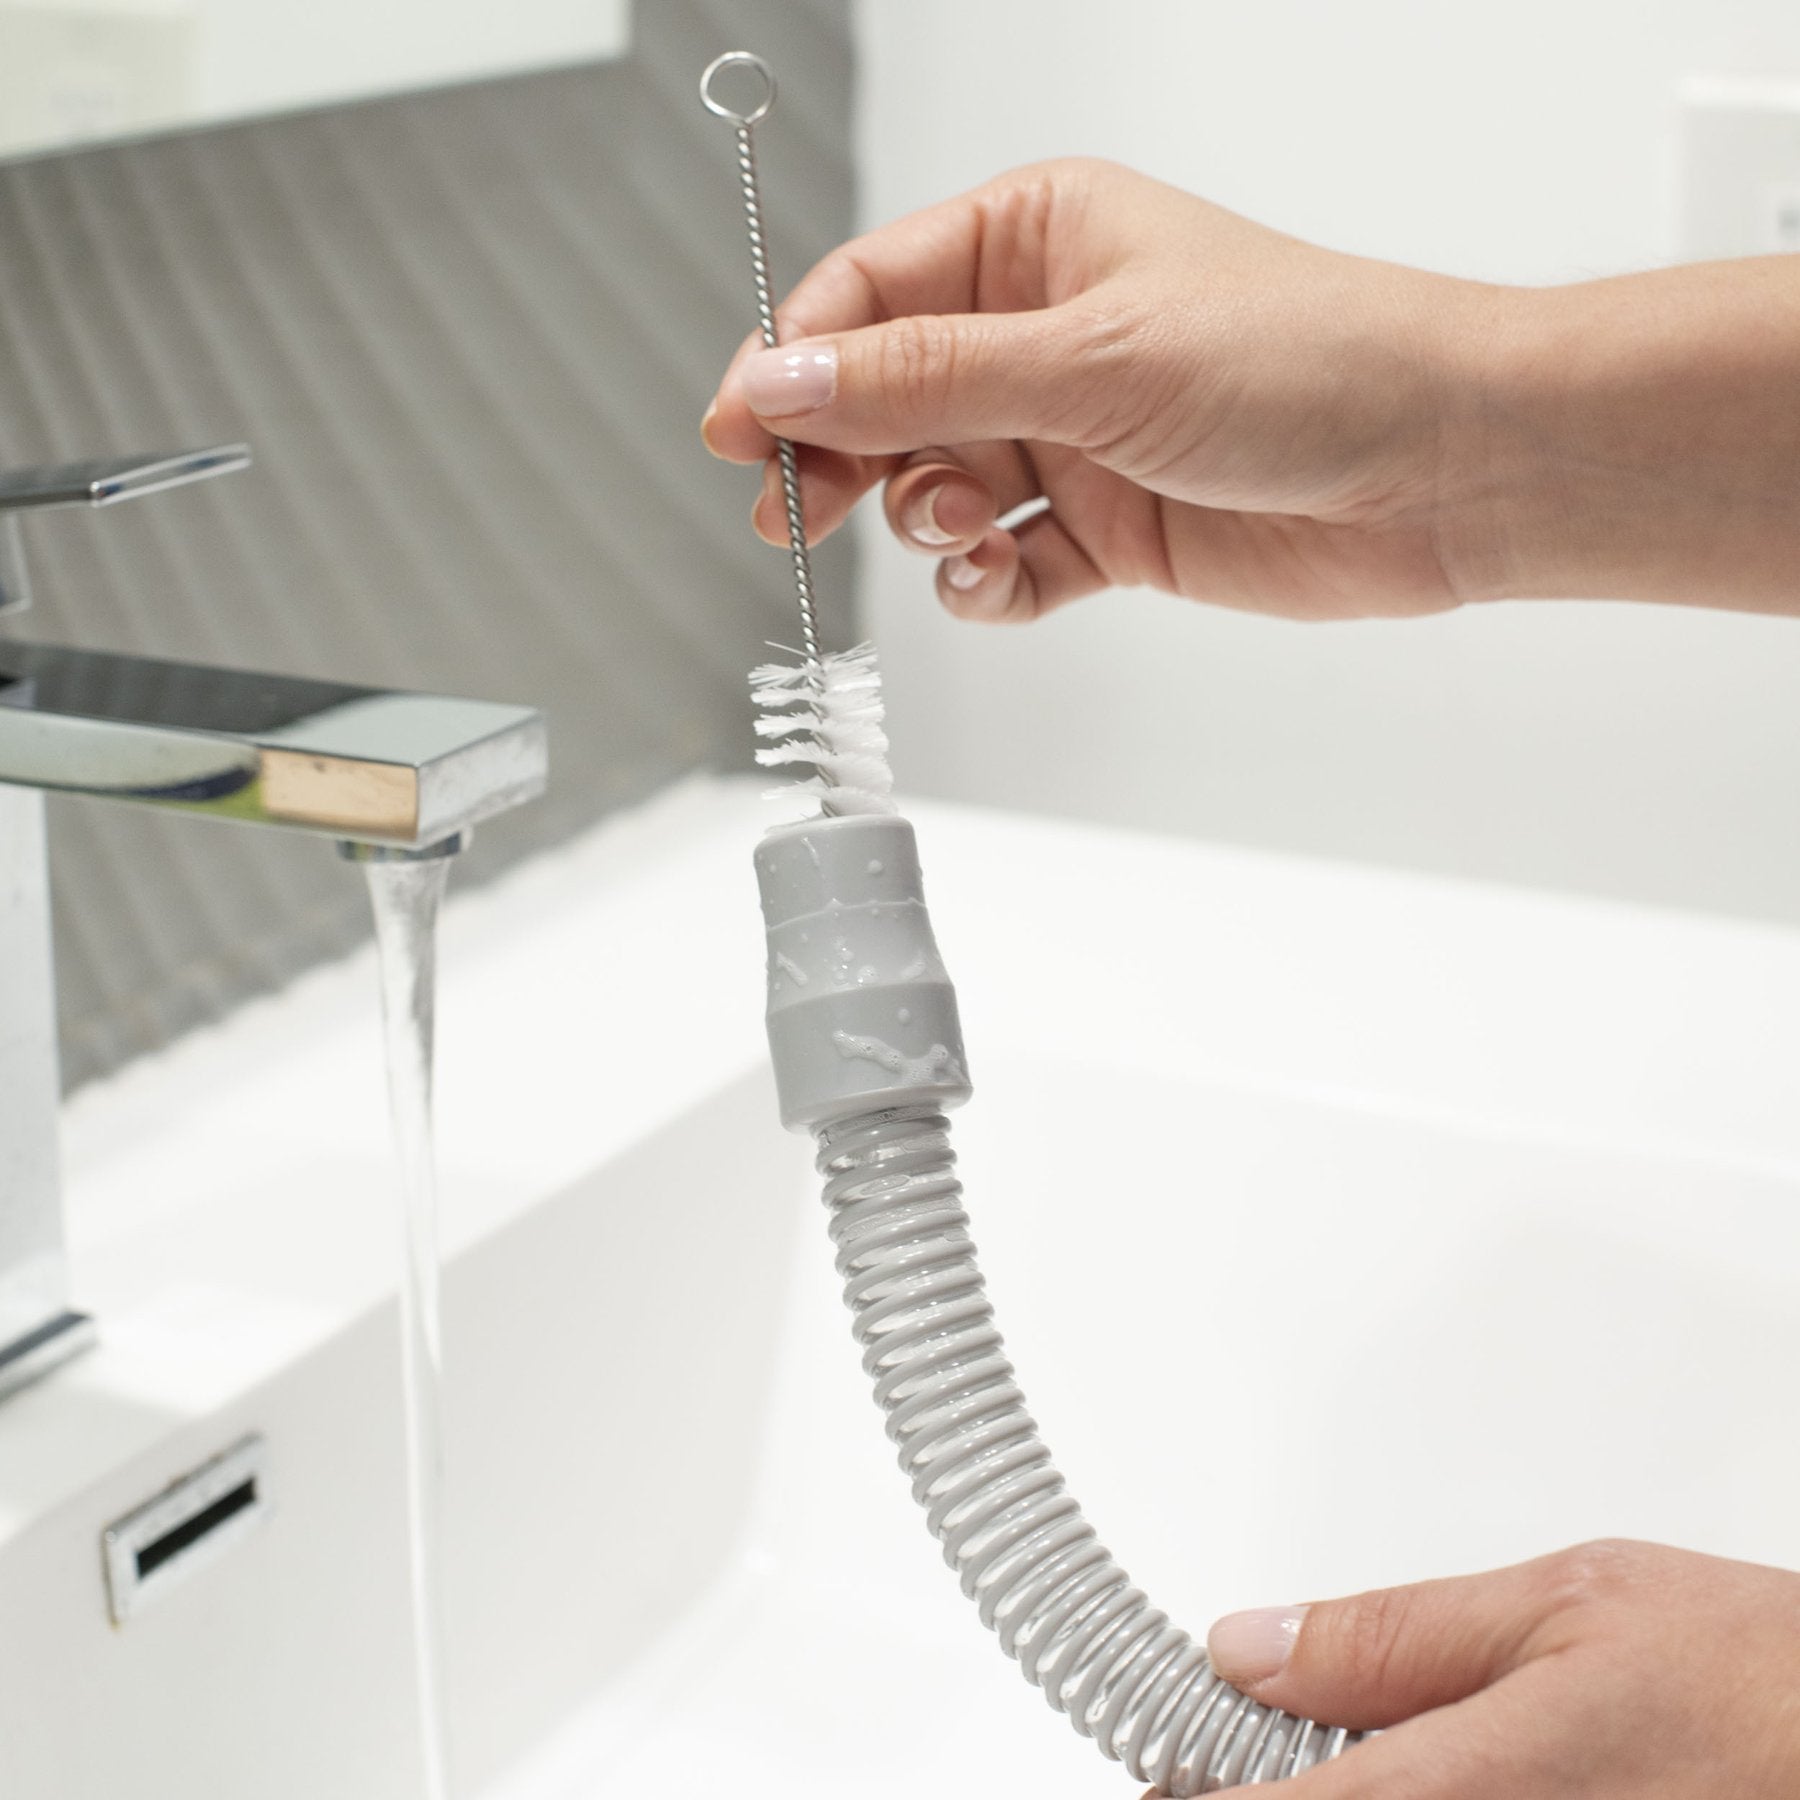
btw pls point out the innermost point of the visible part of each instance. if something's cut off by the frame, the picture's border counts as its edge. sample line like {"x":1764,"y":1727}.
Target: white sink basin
{"x":1347,"y":1227}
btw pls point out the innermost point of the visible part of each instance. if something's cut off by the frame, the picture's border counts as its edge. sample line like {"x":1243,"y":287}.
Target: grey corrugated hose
{"x":868,"y":1054}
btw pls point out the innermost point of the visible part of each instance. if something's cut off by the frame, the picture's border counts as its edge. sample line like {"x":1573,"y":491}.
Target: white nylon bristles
{"x":828,"y":715}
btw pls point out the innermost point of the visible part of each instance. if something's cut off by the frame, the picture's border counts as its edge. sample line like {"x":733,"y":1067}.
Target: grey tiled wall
{"x":469,"y":335}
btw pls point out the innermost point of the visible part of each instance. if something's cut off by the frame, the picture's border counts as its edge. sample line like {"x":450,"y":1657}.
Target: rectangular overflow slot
{"x":172,"y":1543}
{"x":185,"y":1527}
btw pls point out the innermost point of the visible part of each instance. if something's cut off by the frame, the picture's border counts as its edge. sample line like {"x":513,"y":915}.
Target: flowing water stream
{"x":405,"y":894}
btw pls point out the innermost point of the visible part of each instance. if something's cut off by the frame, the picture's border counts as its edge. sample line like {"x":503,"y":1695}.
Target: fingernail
{"x":706,"y":424}
{"x":1249,"y":1647}
{"x":921,"y":522}
{"x":780,"y":383}
{"x":962,"y":573}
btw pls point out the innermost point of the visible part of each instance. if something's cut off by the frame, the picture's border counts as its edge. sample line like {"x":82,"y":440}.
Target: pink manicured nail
{"x":962,"y":573}
{"x":780,"y":383}
{"x":921,"y":521}
{"x":1249,"y":1647}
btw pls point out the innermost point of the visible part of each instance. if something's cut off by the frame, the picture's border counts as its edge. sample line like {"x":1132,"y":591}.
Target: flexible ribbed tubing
{"x":1041,"y":1579}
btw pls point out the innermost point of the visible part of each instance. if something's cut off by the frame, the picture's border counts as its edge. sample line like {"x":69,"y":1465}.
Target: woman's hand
{"x":1616,"y":1671}
{"x":1218,"y":410}
{"x":1209,"y":407}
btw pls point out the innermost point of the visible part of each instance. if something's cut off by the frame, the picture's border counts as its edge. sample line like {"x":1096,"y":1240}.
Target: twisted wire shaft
{"x":1062,"y":1608}
{"x":790,"y":468}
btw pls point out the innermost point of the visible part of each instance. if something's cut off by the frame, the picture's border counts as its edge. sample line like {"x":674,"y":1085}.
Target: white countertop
{"x":236,"y":1189}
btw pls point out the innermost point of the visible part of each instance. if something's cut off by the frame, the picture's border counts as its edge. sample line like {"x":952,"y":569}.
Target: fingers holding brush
{"x":1012,"y":577}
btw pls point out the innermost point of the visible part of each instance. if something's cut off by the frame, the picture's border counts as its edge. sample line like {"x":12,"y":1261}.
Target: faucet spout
{"x":388,"y":774}
{"x":378,"y":765}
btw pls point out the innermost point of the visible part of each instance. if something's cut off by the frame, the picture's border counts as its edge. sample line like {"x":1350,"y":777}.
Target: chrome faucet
{"x":382,"y":772}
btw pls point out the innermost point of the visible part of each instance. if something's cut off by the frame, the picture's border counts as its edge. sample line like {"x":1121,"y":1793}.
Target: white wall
{"x":1638,"y":751}
{"x":76,"y":70}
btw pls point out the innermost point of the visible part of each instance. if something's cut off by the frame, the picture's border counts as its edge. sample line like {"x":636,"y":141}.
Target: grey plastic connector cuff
{"x":861,"y":1012}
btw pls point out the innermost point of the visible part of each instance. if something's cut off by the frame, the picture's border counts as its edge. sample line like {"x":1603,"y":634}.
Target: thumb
{"x":1382,"y":1657}
{"x":929,"y":379}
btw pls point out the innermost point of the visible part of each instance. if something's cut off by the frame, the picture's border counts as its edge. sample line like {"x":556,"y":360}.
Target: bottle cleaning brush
{"x":825,"y":712}
{"x":822,"y":711}
{"x":868,"y":1056}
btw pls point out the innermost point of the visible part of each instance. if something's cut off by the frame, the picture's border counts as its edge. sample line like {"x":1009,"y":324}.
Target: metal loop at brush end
{"x":744,"y":124}
{"x":738,"y":59}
